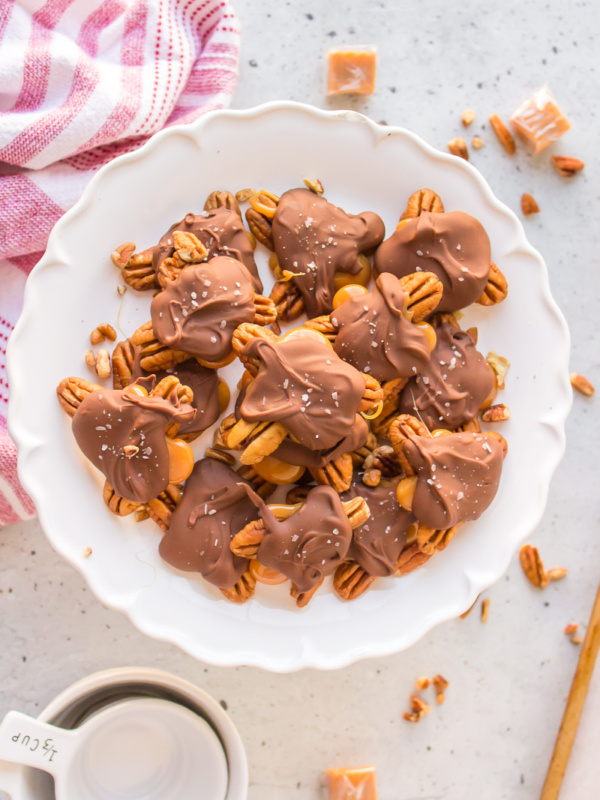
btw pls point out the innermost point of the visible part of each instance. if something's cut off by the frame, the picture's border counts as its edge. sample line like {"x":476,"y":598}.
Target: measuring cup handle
{"x":25,"y":740}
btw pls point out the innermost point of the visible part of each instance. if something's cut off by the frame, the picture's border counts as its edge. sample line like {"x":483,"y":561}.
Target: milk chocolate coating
{"x":377,"y":544}
{"x":454,"y":246}
{"x":109,"y":419}
{"x":199,"y":311}
{"x":458,"y":477}
{"x":375,"y":336}
{"x":311,"y":543}
{"x":314,"y":237}
{"x":214,"y":507}
{"x":294,"y":453}
{"x":451,"y":388}
{"x":203,"y":382}
{"x":221,"y":231}
{"x":306,"y":387}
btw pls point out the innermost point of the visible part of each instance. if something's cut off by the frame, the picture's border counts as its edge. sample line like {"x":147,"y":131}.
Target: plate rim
{"x":308,"y":655}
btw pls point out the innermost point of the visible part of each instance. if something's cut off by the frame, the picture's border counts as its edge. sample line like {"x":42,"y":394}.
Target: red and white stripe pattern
{"x":83,"y":81}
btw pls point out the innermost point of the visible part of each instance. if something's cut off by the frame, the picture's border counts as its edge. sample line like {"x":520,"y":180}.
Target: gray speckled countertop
{"x":508,"y":679}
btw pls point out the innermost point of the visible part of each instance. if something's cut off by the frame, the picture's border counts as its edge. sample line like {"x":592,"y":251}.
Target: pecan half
{"x":337,"y":474}
{"x":170,"y":384}
{"x":260,"y":227}
{"x":424,"y":290}
{"x":117,"y":504}
{"x":259,"y":439}
{"x":432,"y":541}
{"x":444,"y":318}
{"x":501,"y":439}
{"x":288,"y":301}
{"x":161,"y":508}
{"x":350,"y":580}
{"x":265,"y":203}
{"x":242,"y":590}
{"x":504,"y":135}
{"x":188,"y":249}
{"x":410,"y":558}
{"x":496,"y":288}
{"x":382,"y":462}
{"x":567,"y":166}
{"x":497,"y":413}
{"x":323,"y":325}
{"x":500,"y":366}
{"x":122,"y":363}
{"x":246,"y":542}
{"x":373,"y":394}
{"x":136,"y":268}
{"x":532,"y":566}
{"x":401,"y":429}
{"x":303,"y":598}
{"x":261,"y":486}
{"x":265,"y":310}
{"x":154,"y":355}
{"x":167,"y":272}
{"x":244,"y":334}
{"x":357,"y":510}
{"x":422,"y":200}
{"x":529,"y":205}
{"x":222,"y":200}
{"x":389,"y":411}
{"x":72,"y":391}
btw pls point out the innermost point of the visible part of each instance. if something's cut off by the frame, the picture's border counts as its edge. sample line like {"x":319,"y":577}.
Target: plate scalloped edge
{"x":307,"y":655}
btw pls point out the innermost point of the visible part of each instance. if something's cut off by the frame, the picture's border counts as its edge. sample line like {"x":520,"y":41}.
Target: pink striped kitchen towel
{"x":82,"y":81}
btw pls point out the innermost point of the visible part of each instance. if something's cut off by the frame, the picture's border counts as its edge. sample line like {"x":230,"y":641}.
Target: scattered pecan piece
{"x":103,"y":368}
{"x":440,"y":684}
{"x":576,"y":639}
{"x":87,"y":552}
{"x":532,"y":566}
{"x":90,"y":359}
{"x":422,"y":683}
{"x":567,"y":166}
{"x":529,"y":205}
{"x":485,"y":609}
{"x":468,"y":116}
{"x":242,"y":195}
{"x":581,"y":384}
{"x":500,"y":366}
{"x":419,"y":709}
{"x":315,"y":185}
{"x":498,"y":413}
{"x":571,"y":628}
{"x":557,"y":573}
{"x":458,"y":147}
{"x":504,"y":135}
{"x":477,"y":143}
{"x":422,"y":200}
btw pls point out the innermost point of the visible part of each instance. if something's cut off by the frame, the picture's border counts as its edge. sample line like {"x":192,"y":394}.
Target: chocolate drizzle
{"x":377,"y":544}
{"x":375,"y":336}
{"x":214,"y":507}
{"x":294,"y":453}
{"x":221,"y":231}
{"x":108,"y":420}
{"x":311,"y":543}
{"x":454,"y":246}
{"x":306,"y":387}
{"x":199,"y":310}
{"x":457,"y":474}
{"x":314,"y":239}
{"x":452,"y":387}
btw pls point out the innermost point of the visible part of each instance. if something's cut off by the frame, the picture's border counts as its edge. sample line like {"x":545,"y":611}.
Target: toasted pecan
{"x":246,"y":542}
{"x":242,"y":590}
{"x":504,"y":135}
{"x":303,"y":598}
{"x":261,"y":486}
{"x":265,"y":310}
{"x":424,"y":290}
{"x":402,"y":428}
{"x":373,"y":394}
{"x":392,"y":391}
{"x":422,"y":200}
{"x":496,"y":288}
{"x":117,"y":504}
{"x":260,"y":227}
{"x":350,"y":580}
{"x":337,"y":474}
{"x":161,"y":508}
{"x":322,"y":325}
{"x":154,"y":355}
{"x":259,"y":439}
{"x":222,"y":199}
{"x":136,"y":268}
{"x":288,"y":300}
{"x":72,"y":391}
{"x":410,"y":558}
{"x":567,"y":166}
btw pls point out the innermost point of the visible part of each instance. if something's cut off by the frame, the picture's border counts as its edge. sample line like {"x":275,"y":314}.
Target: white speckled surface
{"x":508,"y":679}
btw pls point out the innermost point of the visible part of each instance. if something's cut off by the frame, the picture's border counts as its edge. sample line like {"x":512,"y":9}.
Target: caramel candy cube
{"x":351,"y":70}
{"x":346,"y":783}
{"x":539,"y":120}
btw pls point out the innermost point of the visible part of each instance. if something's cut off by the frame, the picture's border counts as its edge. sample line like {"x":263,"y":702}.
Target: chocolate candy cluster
{"x":367,"y":412}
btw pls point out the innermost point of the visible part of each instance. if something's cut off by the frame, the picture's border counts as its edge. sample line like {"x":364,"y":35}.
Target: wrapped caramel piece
{"x":351,"y":783}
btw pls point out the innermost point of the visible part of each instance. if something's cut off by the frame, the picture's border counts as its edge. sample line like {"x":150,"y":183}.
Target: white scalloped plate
{"x":362,"y":166}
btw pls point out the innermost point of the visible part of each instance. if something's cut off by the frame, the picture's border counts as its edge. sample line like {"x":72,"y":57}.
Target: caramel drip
{"x":314,"y":239}
{"x":214,"y":507}
{"x":375,"y":336}
{"x":454,"y":246}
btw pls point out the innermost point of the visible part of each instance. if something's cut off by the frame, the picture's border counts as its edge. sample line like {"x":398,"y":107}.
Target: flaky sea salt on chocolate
{"x":351,"y":70}
{"x":539,"y":120}
{"x":351,"y":783}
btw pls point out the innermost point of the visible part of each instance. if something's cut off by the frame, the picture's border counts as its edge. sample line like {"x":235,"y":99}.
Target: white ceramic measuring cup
{"x":141,"y":749}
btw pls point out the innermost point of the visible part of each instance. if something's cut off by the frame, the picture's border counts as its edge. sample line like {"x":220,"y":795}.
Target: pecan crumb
{"x":419,"y":708}
{"x":121,"y":289}
{"x":477,"y":143}
{"x":581,"y":384}
{"x":576,"y":639}
{"x":103,"y":364}
{"x":90,"y":359}
{"x":441,"y":684}
{"x":422,"y":683}
{"x":500,"y":366}
{"x":244,"y":194}
{"x":130,"y":450}
{"x":557,"y":573}
{"x":87,"y":552}
{"x":567,"y":166}
{"x":468,"y":116}
{"x":504,"y":135}
{"x":485,"y":609}
{"x":571,"y":628}
{"x":108,"y":331}
{"x":458,"y":147}
{"x":529,"y":205}
{"x":498,"y":413}
{"x":315,"y":185}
